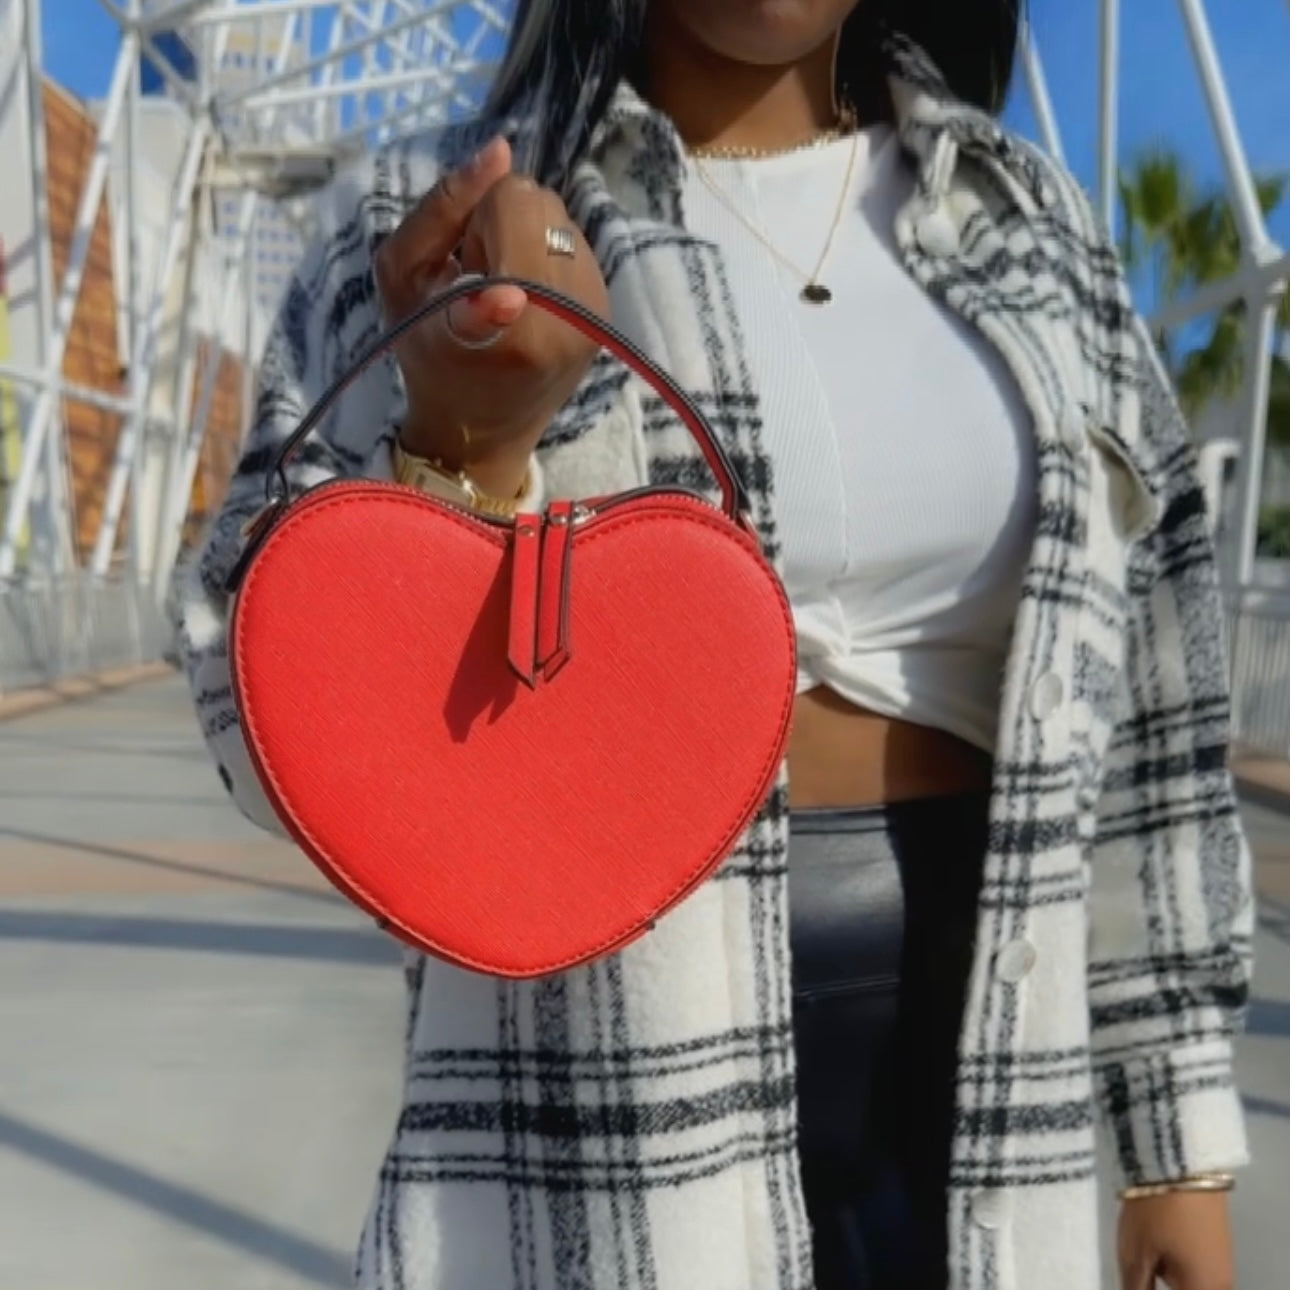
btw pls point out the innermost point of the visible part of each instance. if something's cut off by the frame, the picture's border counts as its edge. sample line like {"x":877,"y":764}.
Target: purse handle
{"x":734,"y":500}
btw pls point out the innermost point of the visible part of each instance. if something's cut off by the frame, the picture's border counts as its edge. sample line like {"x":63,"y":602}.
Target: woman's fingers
{"x":414,"y":255}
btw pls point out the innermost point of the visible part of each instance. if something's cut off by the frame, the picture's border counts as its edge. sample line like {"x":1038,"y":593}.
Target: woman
{"x":1002,"y":880}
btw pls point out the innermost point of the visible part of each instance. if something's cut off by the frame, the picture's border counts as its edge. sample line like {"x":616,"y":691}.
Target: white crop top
{"x":903,"y":455}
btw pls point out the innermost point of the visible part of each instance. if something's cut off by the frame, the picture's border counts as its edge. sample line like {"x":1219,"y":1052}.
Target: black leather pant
{"x":883,"y":906}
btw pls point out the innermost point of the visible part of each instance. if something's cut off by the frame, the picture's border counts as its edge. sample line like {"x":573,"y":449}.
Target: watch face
{"x":417,"y":472}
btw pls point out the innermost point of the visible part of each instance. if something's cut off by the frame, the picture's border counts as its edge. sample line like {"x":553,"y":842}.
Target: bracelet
{"x":455,"y":486}
{"x":1206,"y":1182}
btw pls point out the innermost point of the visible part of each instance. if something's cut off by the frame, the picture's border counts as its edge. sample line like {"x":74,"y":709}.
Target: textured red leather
{"x":396,"y":663}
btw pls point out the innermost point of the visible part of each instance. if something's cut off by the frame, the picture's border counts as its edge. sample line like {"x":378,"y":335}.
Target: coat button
{"x":1047,"y":696}
{"x":1016,"y":961}
{"x":937,"y":233}
{"x":1073,"y":429}
{"x":989,"y":1209}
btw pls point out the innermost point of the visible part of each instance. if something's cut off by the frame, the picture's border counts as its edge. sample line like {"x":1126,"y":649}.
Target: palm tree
{"x":1180,"y":238}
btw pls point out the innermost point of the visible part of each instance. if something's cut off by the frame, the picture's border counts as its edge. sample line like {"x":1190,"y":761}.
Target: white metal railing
{"x":1258,"y":623}
{"x":54,"y":629}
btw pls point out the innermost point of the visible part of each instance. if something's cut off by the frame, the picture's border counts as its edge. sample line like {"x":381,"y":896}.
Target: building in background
{"x":251,"y":55}
{"x":96,"y":362}
{"x":239,"y":57}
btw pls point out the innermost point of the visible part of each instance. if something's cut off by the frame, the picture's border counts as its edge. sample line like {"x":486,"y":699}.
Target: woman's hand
{"x":1183,"y":1239}
{"x":483,"y":409}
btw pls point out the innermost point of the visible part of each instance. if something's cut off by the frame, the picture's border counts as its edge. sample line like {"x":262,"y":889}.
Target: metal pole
{"x":177,"y":85}
{"x":381,"y":32}
{"x":1109,"y":113}
{"x":1245,"y":199}
{"x":267,"y":101}
{"x":1249,"y":477}
{"x":241,"y":253}
{"x":1037,"y":83}
{"x":46,"y":401}
{"x":181,"y":395}
{"x":1261,"y":272}
{"x":334,"y":40}
{"x":145,"y":348}
{"x":56,"y":504}
{"x":371,"y":64}
{"x":213,"y":356}
{"x":249,"y":282}
{"x":260,"y":70}
{"x":68,"y":390}
{"x":186,"y":476}
{"x":128,"y":435}
{"x":171,"y":17}
{"x":1256,"y":249}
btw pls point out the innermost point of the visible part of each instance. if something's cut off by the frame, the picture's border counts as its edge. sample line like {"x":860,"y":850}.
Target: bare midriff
{"x":840,"y":755}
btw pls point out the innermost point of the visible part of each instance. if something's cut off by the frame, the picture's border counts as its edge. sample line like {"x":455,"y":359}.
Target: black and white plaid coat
{"x":631,"y":1125}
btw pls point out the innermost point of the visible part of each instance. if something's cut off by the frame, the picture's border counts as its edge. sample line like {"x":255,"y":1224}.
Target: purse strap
{"x":734,"y":499}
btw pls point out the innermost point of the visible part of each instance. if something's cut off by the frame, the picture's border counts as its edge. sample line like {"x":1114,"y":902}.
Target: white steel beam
{"x":1108,"y":149}
{"x":68,"y":390}
{"x":1251,"y":282}
{"x":256,"y":10}
{"x":52,"y":511}
{"x":175,"y":15}
{"x":1249,"y":466}
{"x":260,"y":101}
{"x":160,"y":60}
{"x":1037,"y":85}
{"x":1240,"y":180}
{"x":1257,"y":252}
{"x":46,"y":404}
{"x":380,"y":34}
{"x":124,"y":467}
{"x":190,"y":456}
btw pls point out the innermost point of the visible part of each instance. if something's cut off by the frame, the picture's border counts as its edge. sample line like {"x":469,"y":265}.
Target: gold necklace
{"x":814,"y":292}
{"x":745,"y":152}
{"x":845,"y":123}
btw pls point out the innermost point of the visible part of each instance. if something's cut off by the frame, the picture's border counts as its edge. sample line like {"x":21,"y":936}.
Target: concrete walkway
{"x":201,"y":1043}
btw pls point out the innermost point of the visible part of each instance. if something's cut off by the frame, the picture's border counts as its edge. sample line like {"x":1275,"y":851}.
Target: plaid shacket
{"x":631,"y":1125}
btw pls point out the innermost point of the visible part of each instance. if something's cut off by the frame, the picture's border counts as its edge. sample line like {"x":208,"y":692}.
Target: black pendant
{"x":815,"y":293}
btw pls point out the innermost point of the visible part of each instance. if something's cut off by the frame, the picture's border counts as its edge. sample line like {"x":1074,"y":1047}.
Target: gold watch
{"x":433,"y":477}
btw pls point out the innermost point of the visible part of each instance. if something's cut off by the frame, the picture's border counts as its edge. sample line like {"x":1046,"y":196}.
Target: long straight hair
{"x":566,"y":57}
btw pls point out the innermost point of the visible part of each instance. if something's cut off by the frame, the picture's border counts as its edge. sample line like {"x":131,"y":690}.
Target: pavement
{"x":201,"y":1059}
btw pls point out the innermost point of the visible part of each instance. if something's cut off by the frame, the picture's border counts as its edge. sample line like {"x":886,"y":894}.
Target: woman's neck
{"x":716,"y":102}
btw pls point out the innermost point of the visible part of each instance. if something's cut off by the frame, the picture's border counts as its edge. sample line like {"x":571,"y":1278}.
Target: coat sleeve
{"x":1171,"y":895}
{"x":329,"y":315}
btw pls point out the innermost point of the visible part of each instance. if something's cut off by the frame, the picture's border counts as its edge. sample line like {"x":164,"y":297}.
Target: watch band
{"x":434,"y":478}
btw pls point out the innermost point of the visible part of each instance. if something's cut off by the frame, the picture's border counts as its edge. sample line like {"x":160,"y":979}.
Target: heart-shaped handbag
{"x":514,"y":742}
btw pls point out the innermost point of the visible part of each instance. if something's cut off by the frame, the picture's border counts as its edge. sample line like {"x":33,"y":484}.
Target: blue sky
{"x":1160,"y":95}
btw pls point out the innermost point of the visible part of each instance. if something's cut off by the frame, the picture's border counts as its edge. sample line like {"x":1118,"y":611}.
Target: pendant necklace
{"x":814,"y":292}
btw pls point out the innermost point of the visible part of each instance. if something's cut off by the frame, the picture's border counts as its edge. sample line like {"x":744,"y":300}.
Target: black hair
{"x":565,"y":58}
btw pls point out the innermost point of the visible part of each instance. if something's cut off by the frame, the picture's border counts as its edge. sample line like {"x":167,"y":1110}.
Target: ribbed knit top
{"x":903,"y":456}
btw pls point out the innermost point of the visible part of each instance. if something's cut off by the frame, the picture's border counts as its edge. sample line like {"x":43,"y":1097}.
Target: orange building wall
{"x":92,"y":358}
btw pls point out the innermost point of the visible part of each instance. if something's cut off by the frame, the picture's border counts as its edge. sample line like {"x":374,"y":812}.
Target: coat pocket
{"x":1120,"y":490}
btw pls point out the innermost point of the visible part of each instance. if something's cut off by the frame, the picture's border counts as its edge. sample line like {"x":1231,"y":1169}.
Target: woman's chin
{"x":763,"y":33}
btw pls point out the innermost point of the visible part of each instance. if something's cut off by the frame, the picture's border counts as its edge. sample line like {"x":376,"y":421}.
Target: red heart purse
{"x":514,"y":742}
